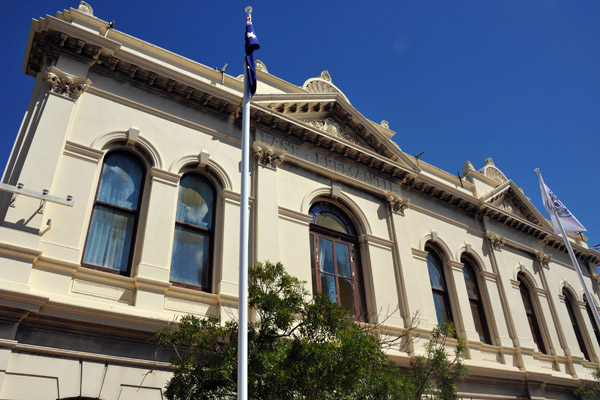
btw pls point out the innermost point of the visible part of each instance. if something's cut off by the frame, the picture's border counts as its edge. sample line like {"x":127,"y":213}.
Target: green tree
{"x":300,"y":348}
{"x":590,"y":389}
{"x":435,"y":374}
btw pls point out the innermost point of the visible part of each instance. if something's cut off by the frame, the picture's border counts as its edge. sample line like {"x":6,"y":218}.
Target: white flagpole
{"x":242,"y":379}
{"x":592,"y":303}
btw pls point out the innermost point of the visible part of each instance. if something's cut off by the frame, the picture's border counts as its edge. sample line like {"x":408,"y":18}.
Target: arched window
{"x":475,"y":300}
{"x":531,"y":314}
{"x":574,"y":318}
{"x":111,"y":235}
{"x":191,"y":261}
{"x":335,"y":264}
{"x":439,"y":288}
{"x":592,"y":319}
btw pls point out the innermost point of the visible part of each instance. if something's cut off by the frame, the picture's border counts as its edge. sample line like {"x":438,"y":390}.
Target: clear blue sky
{"x":516,"y":80}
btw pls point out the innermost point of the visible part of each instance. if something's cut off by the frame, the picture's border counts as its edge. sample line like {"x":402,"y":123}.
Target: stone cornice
{"x":455,"y":265}
{"x":165,"y":177}
{"x":376,"y":241}
{"x":419,"y":254}
{"x":294,"y":216}
{"x":82,"y":152}
{"x":489,"y":276}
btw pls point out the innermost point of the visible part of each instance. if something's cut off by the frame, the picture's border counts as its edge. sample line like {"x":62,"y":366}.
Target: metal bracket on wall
{"x":43,"y":197}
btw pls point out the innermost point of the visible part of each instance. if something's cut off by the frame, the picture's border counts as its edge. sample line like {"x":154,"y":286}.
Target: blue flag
{"x":251,"y":45}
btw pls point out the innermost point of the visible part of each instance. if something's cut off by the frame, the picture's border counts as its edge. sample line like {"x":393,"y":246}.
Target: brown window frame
{"x":359,"y":300}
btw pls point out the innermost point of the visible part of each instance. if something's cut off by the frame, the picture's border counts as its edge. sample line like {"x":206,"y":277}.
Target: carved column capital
{"x":397,"y":204}
{"x":543,"y":258}
{"x":65,"y":85}
{"x":266,"y":157}
{"x":496,"y":241}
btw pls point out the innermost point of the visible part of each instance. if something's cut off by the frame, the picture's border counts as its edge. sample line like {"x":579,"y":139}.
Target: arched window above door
{"x":335,"y":262}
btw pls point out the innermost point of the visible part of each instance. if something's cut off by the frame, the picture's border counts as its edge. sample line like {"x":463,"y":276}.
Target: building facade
{"x":120,"y":212}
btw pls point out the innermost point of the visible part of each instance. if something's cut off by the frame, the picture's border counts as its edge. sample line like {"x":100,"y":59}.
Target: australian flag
{"x":251,"y":45}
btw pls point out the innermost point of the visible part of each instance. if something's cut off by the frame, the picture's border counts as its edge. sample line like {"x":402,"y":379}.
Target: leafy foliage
{"x":299,"y":348}
{"x":434,"y":375}
{"x":590,"y":389}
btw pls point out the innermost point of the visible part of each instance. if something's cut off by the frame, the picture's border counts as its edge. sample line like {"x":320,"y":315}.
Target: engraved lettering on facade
{"x":326,"y":161}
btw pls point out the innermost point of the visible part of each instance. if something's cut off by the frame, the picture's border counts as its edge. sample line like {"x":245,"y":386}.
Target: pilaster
{"x":266,"y":239}
{"x":587,"y":325}
{"x":157,"y":241}
{"x":412,"y":275}
{"x":492,"y":287}
{"x":462,"y":298}
{"x":420,"y":288}
{"x":65,"y":228}
{"x":228,"y":275}
{"x":377,"y":257}
{"x":41,"y":141}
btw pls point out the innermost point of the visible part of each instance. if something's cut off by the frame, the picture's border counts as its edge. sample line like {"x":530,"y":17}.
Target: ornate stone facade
{"x":312,"y":149}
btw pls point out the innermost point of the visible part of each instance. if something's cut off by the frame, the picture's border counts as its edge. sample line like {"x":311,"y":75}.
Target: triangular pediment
{"x":331,"y":115}
{"x":329,"y":124}
{"x":510,"y":199}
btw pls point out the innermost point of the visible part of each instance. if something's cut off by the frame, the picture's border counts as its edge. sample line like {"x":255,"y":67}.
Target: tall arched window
{"x":592,"y":319}
{"x":475,"y":300}
{"x":439,"y":288}
{"x":574,"y":317}
{"x":111,"y":235}
{"x":335,"y":264}
{"x":191,"y":261}
{"x":532,"y":318}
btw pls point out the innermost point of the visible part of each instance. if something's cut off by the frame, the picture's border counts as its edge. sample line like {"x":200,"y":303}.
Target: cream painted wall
{"x":41,"y":253}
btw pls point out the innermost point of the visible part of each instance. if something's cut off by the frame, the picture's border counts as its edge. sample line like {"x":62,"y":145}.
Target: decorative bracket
{"x":397,"y":204}
{"x":267,"y":157}
{"x":66,"y":85}
{"x":496,"y":241}
{"x":543,"y":258}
